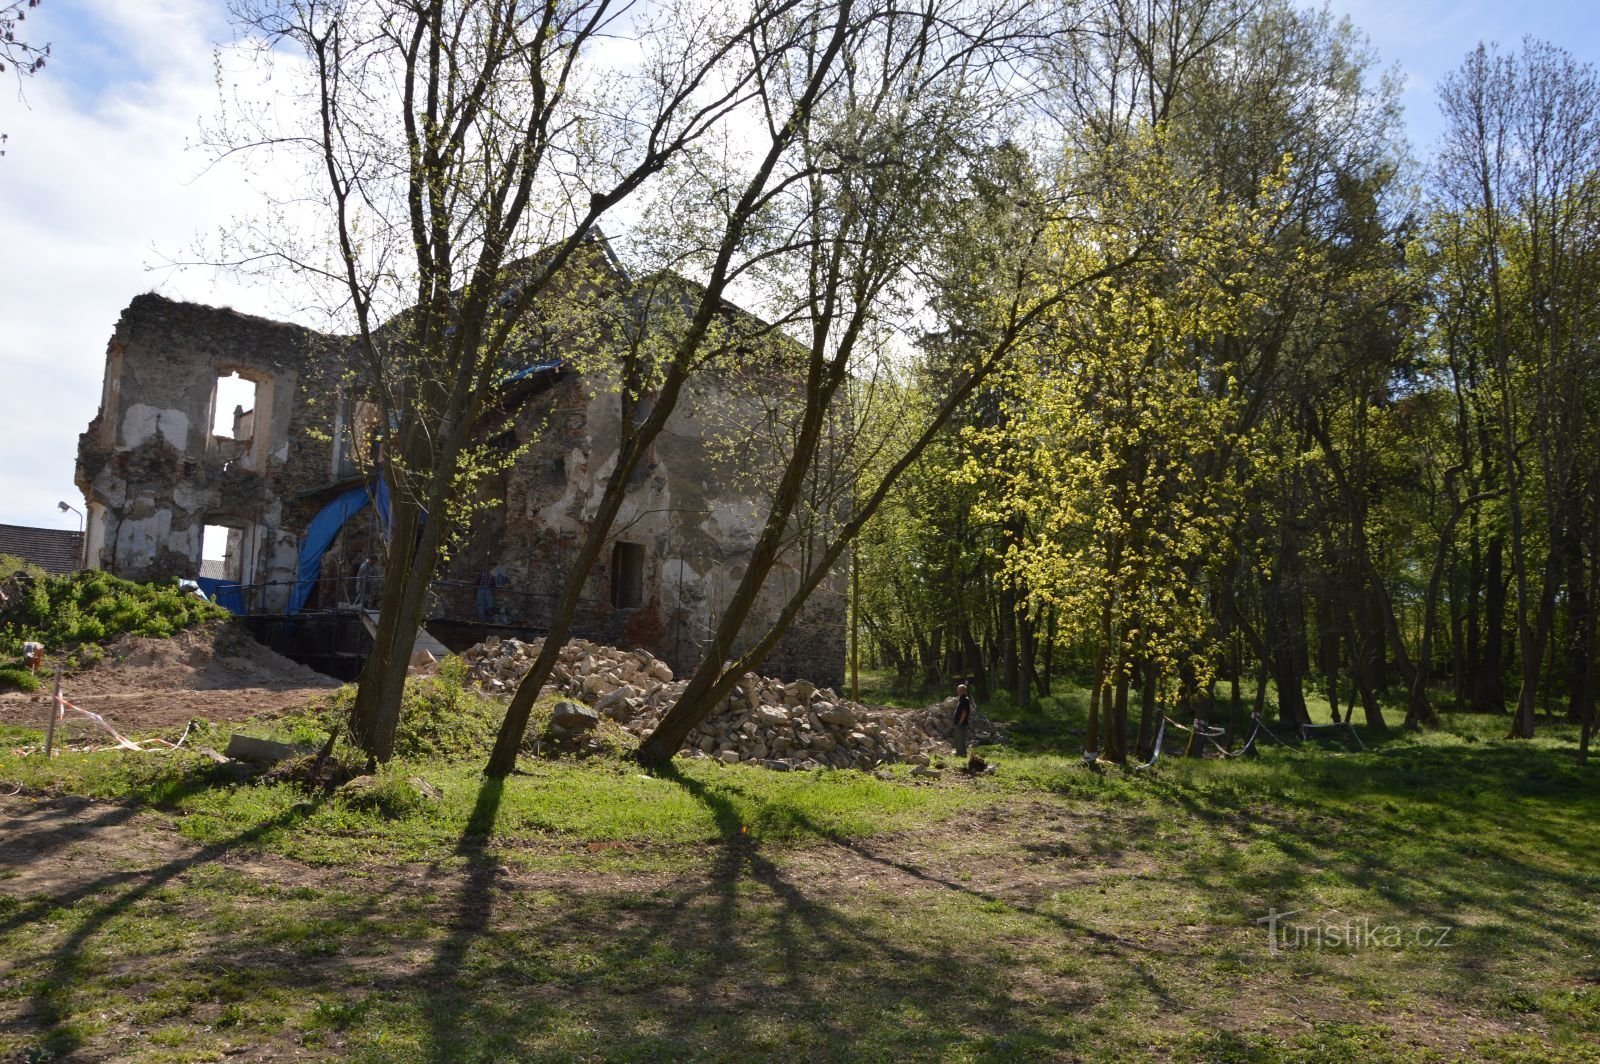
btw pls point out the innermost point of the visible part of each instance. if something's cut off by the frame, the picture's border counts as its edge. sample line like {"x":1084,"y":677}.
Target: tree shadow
{"x":45,"y":832}
{"x":471,"y":911}
{"x":48,"y":1003}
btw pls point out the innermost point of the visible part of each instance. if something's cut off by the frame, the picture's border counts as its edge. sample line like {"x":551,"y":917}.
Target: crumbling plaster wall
{"x":696,"y":526}
{"x":153,"y":476}
{"x":150,"y":468}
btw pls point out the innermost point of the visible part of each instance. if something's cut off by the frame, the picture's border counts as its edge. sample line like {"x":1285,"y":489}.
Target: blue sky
{"x":97,"y":187}
{"x":1429,"y":39}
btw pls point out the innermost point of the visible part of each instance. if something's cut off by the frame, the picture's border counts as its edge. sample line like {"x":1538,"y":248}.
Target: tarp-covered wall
{"x":322,"y":530}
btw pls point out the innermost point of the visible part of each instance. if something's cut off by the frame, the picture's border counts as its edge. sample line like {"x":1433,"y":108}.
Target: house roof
{"x":52,"y":549}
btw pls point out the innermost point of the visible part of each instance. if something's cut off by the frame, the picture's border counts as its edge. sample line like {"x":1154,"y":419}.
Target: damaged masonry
{"x":224,"y":434}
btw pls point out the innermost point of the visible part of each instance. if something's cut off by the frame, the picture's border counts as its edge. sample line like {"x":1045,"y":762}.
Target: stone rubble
{"x":780,"y":725}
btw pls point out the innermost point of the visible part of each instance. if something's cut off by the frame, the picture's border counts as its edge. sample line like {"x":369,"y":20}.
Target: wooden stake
{"x":55,"y":711}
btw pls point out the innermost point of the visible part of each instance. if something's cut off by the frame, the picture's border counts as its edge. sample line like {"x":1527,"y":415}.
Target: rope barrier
{"x":1343,"y":726}
{"x":1209,"y":733}
{"x":1161,"y":733}
{"x":122,"y":741}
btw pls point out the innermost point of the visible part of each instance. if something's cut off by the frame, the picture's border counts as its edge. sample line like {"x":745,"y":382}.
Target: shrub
{"x":93,"y":607}
{"x":387,"y":794}
{"x":17,"y":678}
{"x":442,"y":717}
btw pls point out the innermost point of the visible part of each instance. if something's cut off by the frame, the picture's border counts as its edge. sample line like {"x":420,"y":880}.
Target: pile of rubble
{"x":782,"y":725}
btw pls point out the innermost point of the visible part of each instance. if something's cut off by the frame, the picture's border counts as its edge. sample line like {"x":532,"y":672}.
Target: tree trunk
{"x":1091,"y":735}
{"x":1328,"y":650}
{"x":1147,"y":709}
{"x":1488,"y":692}
{"x":1047,"y":680}
{"x":1117,"y":720}
{"x":1283,"y":654}
{"x":1025,"y":674}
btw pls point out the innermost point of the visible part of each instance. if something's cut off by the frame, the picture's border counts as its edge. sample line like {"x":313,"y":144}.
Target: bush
{"x":442,"y":717}
{"x":387,"y":794}
{"x":93,"y":607}
{"x":17,"y":678}
{"x":10,"y":564}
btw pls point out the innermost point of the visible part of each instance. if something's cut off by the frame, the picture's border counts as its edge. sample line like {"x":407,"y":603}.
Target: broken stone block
{"x":829,"y":713}
{"x":770,"y":716}
{"x":574,"y":716}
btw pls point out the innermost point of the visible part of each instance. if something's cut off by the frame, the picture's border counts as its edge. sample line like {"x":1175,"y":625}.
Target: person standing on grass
{"x":963,"y":718}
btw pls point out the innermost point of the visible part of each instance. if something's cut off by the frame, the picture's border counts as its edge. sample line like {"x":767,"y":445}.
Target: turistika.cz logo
{"x":1353,"y":933}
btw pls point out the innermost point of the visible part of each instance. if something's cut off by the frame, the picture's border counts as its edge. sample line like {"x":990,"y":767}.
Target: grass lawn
{"x":1435,"y":897}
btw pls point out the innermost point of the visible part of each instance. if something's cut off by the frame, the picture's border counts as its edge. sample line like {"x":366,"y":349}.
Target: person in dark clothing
{"x":963,"y":718}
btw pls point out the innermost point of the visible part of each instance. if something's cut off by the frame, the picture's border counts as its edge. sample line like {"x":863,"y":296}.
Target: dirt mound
{"x":216,"y":670}
{"x":211,"y":657}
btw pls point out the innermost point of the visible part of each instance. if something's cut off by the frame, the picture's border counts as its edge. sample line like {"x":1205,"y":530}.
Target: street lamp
{"x":64,"y":507}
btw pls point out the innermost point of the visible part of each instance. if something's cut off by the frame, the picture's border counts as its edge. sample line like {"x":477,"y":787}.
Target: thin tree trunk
{"x":1488,"y":694}
{"x":1147,"y":709}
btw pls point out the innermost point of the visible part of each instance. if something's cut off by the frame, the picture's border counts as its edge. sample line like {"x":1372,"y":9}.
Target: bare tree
{"x":18,"y":55}
{"x":886,"y":215}
{"x":1519,"y":161}
{"x":808,"y":51}
{"x":451,"y":140}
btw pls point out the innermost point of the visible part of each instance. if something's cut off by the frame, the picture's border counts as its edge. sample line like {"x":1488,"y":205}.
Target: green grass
{"x":590,"y":910}
{"x":17,"y":678}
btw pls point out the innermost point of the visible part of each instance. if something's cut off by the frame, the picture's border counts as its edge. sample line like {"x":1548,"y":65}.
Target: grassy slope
{"x":723,"y":914}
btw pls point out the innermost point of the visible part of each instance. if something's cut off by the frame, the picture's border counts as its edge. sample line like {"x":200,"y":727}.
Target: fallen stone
{"x":771,"y":716}
{"x":251,"y":748}
{"x":574,"y":716}
{"x":829,"y":713}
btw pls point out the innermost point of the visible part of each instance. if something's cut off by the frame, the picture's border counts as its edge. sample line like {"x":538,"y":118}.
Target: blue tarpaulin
{"x":530,"y":371}
{"x":225,"y":593}
{"x":322,"y":530}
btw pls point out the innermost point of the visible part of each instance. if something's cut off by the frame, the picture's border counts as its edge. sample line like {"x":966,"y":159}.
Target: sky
{"x":100,"y":189}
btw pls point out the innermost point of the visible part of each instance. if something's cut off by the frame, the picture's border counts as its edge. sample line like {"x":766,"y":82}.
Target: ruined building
{"x":222,"y":433}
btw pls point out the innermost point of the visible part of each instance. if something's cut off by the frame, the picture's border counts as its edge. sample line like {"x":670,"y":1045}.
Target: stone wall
{"x":693,"y":530}
{"x":153,"y":472}
{"x":154,"y":475}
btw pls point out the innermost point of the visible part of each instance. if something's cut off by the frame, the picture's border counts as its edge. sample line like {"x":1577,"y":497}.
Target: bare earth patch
{"x":215,"y":671}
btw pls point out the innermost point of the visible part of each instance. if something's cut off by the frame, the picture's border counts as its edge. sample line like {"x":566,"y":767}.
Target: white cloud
{"x":97,"y":185}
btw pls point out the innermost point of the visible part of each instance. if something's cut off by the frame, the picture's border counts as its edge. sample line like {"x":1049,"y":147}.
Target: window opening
{"x":627,"y":575}
{"x":221,"y":556}
{"x":234,"y":412}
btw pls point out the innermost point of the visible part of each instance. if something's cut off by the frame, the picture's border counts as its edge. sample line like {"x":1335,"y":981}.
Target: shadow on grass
{"x":49,"y":1005}
{"x":41,"y":833}
{"x":736,"y":959}
{"x":469,"y":919}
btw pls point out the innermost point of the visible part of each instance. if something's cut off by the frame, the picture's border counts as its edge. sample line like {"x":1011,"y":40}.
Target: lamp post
{"x":82,"y":539}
